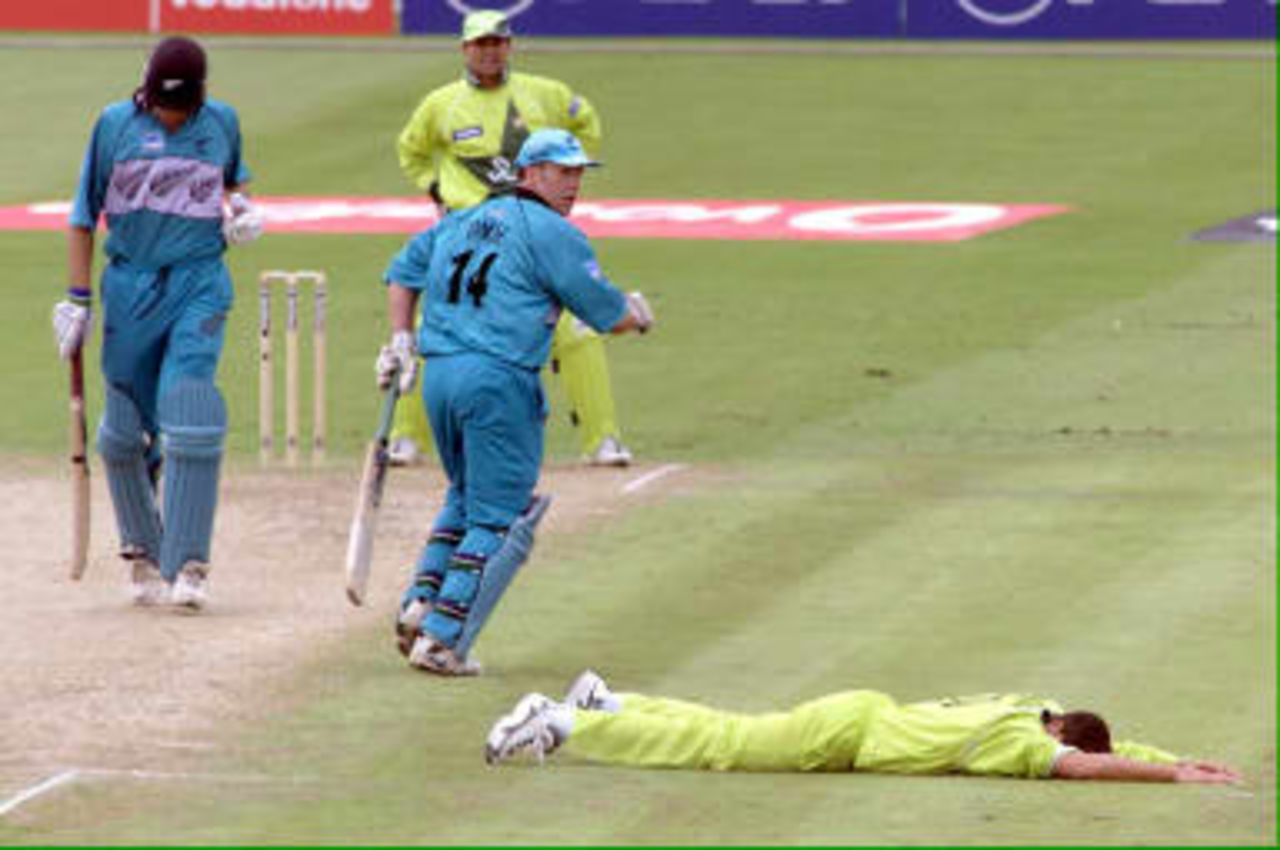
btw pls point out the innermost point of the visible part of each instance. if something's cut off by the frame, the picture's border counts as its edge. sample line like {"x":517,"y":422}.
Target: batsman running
{"x":493,"y":281}
{"x":164,"y":167}
{"x":460,"y":144}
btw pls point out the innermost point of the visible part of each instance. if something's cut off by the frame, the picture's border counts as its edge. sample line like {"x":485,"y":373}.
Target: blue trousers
{"x":488,"y":420}
{"x":163,"y":333}
{"x":161,"y":327}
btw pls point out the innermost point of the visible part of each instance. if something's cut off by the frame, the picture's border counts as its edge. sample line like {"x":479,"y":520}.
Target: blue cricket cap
{"x":558,"y":146}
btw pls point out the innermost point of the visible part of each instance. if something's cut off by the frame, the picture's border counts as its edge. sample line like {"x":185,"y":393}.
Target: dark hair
{"x":174,"y":76}
{"x":1086,"y":731}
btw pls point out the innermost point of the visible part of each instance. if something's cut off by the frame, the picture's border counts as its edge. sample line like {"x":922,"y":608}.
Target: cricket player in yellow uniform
{"x":460,"y":144}
{"x":1016,"y":735}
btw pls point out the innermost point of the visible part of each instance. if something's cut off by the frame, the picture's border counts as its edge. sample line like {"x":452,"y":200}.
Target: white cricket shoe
{"x":527,"y":728}
{"x":409,"y":624}
{"x":147,"y":586}
{"x":403,"y":451}
{"x":610,"y":452}
{"x":190,"y":588}
{"x":434,"y":657}
{"x":589,"y":691}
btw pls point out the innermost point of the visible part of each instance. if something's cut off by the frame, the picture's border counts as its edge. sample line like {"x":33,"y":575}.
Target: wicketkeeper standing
{"x":463,"y":138}
{"x":165,"y":169}
{"x":494,"y":280}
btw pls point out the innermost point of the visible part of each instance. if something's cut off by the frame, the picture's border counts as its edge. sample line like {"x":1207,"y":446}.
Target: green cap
{"x":488,"y":22}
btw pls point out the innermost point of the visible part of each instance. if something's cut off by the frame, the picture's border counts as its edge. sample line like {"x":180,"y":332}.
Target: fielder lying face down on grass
{"x":493,"y":280}
{"x":1014,"y":735}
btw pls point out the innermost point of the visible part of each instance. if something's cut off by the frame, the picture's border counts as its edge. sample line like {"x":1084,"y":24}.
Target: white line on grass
{"x":36,"y":790}
{"x":650,"y":477}
{"x":135,"y":773}
{"x":185,"y":745}
{"x":74,"y":773}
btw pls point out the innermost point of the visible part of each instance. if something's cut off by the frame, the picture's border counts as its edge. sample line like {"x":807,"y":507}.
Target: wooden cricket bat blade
{"x":364,"y":523}
{"x":80,"y":520}
{"x":79,"y":444}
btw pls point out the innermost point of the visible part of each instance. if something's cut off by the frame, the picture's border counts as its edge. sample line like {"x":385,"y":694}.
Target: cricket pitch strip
{"x":92,"y":682}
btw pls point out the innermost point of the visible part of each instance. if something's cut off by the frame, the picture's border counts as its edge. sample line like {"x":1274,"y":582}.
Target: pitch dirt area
{"x":91,"y":683}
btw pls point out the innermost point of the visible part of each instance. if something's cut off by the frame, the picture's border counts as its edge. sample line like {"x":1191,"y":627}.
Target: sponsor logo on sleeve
{"x":467,"y":133}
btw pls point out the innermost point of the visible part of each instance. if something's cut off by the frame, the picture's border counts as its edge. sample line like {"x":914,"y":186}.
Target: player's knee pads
{"x":122,"y":443}
{"x":193,"y":423}
{"x":499,"y":571}
{"x":120,"y":433}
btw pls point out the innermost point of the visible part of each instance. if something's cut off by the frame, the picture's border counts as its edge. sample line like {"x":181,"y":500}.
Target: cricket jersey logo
{"x":498,"y":171}
{"x":488,"y":229}
{"x":183,"y":187}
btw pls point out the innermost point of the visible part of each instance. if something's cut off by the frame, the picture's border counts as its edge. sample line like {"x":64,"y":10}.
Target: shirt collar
{"x":474,"y":81}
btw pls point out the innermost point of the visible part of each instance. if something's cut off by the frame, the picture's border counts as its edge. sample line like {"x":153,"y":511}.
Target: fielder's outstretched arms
{"x":492,"y":281}
{"x":1015,"y":735}
{"x":164,"y":167}
{"x":460,"y":145}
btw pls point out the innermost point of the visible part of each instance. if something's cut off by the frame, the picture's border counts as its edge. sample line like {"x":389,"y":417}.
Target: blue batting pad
{"x":122,"y":444}
{"x":193,"y":422}
{"x":500,"y":570}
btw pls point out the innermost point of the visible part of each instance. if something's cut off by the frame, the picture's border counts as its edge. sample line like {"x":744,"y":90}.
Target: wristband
{"x":80,"y":295}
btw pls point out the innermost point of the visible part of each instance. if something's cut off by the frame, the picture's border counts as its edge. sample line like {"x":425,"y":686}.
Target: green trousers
{"x":821,"y":735}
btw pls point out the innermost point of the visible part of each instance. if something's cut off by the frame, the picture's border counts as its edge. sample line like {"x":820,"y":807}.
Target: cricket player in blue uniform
{"x":493,"y":280}
{"x":164,"y":167}
{"x":459,"y":145}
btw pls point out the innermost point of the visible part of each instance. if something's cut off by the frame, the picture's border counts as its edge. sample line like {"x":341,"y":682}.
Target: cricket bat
{"x":368,"y":499}
{"x":79,"y":471}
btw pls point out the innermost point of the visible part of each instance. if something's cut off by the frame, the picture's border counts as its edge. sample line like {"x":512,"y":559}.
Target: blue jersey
{"x":161,"y":192}
{"x":493,"y":279}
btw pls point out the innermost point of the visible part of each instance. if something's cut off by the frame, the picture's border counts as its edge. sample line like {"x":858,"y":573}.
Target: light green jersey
{"x":987,"y":734}
{"x":468,"y":137}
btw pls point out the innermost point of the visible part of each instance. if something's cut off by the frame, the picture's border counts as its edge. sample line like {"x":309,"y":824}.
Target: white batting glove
{"x":242,"y":221}
{"x":397,"y":361}
{"x":641,"y":311}
{"x":72,"y":321}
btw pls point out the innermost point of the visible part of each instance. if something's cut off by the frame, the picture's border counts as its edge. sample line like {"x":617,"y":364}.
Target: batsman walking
{"x":493,"y":281}
{"x":164,"y":167}
{"x":460,"y":144}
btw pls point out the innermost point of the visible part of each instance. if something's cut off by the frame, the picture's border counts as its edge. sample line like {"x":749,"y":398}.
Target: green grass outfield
{"x":1042,"y":460}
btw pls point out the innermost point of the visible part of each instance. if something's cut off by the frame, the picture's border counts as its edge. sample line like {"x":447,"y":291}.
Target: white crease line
{"x":650,"y":477}
{"x":185,"y":745}
{"x":36,"y":790}
{"x":70,"y":775}
{"x":157,"y":774}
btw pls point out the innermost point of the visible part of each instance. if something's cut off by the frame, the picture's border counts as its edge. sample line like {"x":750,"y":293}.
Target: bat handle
{"x":77,"y":374}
